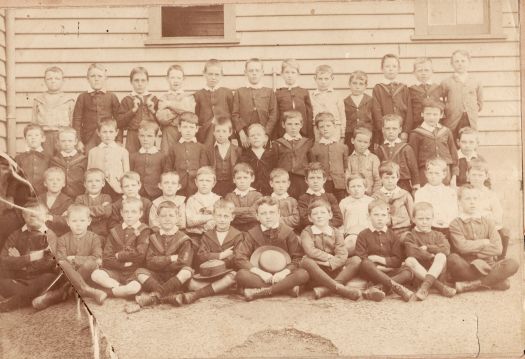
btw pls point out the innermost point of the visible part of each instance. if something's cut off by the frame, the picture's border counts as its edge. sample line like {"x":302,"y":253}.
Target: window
{"x":457,"y":19}
{"x":186,"y":25}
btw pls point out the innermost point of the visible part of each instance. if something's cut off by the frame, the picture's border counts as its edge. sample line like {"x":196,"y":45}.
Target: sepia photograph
{"x":261,"y":179}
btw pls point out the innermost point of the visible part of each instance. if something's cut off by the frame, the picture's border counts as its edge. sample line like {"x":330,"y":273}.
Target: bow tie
{"x":98,"y":92}
{"x":271,"y":233}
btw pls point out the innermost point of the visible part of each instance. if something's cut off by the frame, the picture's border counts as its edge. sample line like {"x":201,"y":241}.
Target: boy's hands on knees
{"x":71,"y":259}
{"x":279,"y":276}
{"x":174,"y":257}
{"x":377,"y":259}
{"x":265,"y":276}
{"x":423,"y":248}
{"x":226,"y":253}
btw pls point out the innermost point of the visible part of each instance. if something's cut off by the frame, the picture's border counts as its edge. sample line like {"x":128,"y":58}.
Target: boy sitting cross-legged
{"x":381,"y":256}
{"x":168,"y":260}
{"x":326,"y":257}
{"x":427,"y":252}
{"x":79,"y":252}
{"x":124,"y":252}
{"x":216,"y":249}
{"x":269,"y":270}
{"x":476,"y":245}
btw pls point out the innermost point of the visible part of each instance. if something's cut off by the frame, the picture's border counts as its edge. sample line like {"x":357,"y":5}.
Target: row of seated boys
{"x":156,"y":265}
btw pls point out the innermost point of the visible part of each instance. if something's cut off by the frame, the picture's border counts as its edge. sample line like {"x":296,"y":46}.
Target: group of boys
{"x":318,"y":192}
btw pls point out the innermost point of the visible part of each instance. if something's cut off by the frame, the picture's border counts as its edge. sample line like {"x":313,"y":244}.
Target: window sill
{"x":191,"y":41}
{"x":458,"y":37}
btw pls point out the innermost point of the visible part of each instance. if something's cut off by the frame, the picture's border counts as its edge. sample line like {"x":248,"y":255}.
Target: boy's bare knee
{"x":411,"y":262}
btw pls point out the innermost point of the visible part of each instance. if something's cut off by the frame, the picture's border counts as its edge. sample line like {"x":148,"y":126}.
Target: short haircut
{"x":243,"y":167}
{"x":254,"y":60}
{"x":268,"y":200}
{"x":422,"y":206}
{"x":55,"y":69}
{"x":175,"y":67}
{"x":33,"y":126}
{"x":422,"y":60}
{"x":35,"y":203}
{"x":324,"y":116}
{"x":254,"y":126}
{"x":378,"y":203}
{"x":130,"y":175}
{"x":96,"y":66}
{"x":437,"y":162}
{"x":388,"y":168}
{"x":355,"y":176}
{"x":477,"y":164}
{"x":149,"y":126}
{"x":205,"y":170}
{"x":461,"y":52}
{"x":362,"y":130}
{"x":223,"y":204}
{"x":319,"y":203}
{"x":431,"y":103}
{"x":138,"y":70}
{"x":54,"y":169}
{"x":290,"y":63}
{"x":210,"y":63}
{"x":169,"y":173}
{"x":464,"y":188}
{"x":67,"y":130}
{"x":224,"y":121}
{"x":390,"y":56}
{"x":467,"y":131}
{"x":189,"y":117}
{"x":393,"y":117}
{"x":107,"y":123}
{"x":91,"y":171}
{"x":76,"y":207}
{"x":278,"y":172}
{"x":292,"y":114}
{"x":167,"y":204}
{"x":324,"y":69}
{"x":315,"y":167}
{"x":359,"y":75}
{"x":132,"y":201}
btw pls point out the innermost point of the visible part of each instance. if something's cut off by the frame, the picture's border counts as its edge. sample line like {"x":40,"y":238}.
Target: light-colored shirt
{"x":443,"y":199}
{"x":113,"y":160}
{"x":490,"y":206}
{"x":330,"y":101}
{"x":199,"y":208}
{"x":355,"y":214}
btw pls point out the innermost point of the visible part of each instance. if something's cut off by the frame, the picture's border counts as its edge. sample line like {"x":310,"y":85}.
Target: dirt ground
{"x":483,"y":323}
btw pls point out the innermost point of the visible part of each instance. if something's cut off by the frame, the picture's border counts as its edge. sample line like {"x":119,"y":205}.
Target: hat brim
{"x":254,"y":259}
{"x":199,"y":276}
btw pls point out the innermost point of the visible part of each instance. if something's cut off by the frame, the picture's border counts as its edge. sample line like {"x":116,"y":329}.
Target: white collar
{"x":434,"y":188}
{"x":329,"y":231}
{"x":208,"y":88}
{"x":178,"y":92}
{"x":42,"y":229}
{"x":240,"y":193}
{"x":264,"y":228}
{"x":103,"y":90}
{"x":366,"y":153}
{"x":256,"y":86}
{"x":429,"y":83}
{"x":310,"y":191}
{"x":72,"y":154}
{"x":387,"y":81}
{"x":357,"y":96}
{"x":206,"y":197}
{"x":387,"y":192}
{"x":285,"y":195}
{"x":124,"y":197}
{"x":171,"y":232}
{"x":467,"y":217}
{"x":108,"y":145}
{"x":134,"y":94}
{"x":39,"y":149}
{"x":425,"y":126}
{"x":373,"y":229}
{"x":224,"y":145}
{"x":151,"y":150}
{"x":420,"y":231}
{"x":326,"y":141}
{"x":182,"y":140}
{"x":134,"y":226}
{"x":469,"y":158}
{"x":94,"y":195}
{"x":258,"y":151}
{"x":287,"y":137}
{"x":393,"y":144}
{"x":319,"y":92}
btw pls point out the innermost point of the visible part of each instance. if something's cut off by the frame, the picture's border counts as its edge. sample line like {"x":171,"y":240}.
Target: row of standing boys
{"x":294,"y":146}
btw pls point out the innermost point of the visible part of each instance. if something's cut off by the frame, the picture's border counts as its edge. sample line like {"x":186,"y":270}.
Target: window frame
{"x":425,"y":32}
{"x":155,"y":37}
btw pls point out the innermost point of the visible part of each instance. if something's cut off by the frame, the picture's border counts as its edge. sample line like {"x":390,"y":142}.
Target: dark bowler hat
{"x":212,"y":269}
{"x":271,"y":259}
